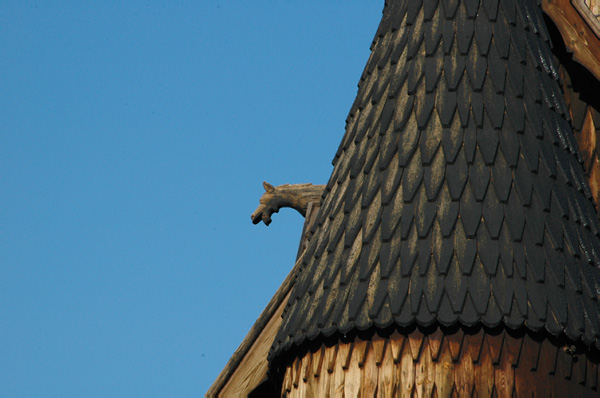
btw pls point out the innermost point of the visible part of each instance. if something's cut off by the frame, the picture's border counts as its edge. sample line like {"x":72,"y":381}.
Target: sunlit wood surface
{"x":437,"y":365}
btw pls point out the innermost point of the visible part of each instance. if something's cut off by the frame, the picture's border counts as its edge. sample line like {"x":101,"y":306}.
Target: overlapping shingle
{"x":457,"y":194}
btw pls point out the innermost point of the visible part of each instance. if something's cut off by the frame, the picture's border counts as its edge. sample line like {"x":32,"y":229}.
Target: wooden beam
{"x":578,"y":36}
{"x":247,"y":367}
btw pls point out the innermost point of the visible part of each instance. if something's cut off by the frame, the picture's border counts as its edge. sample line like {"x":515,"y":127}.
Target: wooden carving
{"x":590,"y":11}
{"x":580,"y":33}
{"x":297,"y":196}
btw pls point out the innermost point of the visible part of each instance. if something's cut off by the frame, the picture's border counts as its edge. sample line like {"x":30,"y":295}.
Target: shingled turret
{"x":458,"y":201}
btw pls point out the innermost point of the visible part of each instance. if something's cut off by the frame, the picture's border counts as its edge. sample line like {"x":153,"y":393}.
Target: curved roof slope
{"x":457,"y":194}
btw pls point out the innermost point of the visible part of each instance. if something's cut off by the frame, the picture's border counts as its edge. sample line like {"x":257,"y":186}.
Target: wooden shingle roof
{"x":458,"y":194}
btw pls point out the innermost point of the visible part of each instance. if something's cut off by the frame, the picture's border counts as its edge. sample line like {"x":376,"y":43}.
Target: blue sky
{"x":134,"y":139}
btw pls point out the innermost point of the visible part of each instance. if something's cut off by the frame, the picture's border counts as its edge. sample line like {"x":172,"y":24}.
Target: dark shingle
{"x":454,"y":68}
{"x":434,"y":29}
{"x":491,"y":9}
{"x":494,"y":104}
{"x":447,"y":212}
{"x":452,"y":141}
{"x":483,"y":35}
{"x":501,"y":178}
{"x":501,"y":36}
{"x":433,"y":176}
{"x":479,"y":173}
{"x":477,"y":107}
{"x":450,"y":7}
{"x":476,"y":69}
{"x":442,"y":251}
{"x":457,"y":194}
{"x":433,"y":70}
{"x":456,"y":175}
{"x":493,"y":213}
{"x":446,"y":106}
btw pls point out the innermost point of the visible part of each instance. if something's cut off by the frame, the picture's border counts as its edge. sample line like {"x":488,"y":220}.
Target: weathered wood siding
{"x":438,"y":365}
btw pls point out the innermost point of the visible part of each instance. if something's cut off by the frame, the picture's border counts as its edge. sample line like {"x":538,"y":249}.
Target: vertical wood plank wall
{"x":438,"y":365}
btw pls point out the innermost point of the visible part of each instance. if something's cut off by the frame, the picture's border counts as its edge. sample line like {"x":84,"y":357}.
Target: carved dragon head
{"x":297,"y":196}
{"x":265,"y":209}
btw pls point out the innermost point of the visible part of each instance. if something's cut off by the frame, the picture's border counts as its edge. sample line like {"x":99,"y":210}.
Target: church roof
{"x":458,"y":194}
